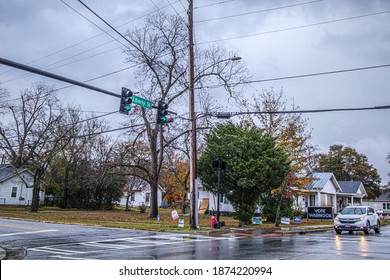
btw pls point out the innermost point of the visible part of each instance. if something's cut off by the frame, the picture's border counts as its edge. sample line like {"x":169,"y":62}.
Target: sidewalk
{"x":258,"y":231}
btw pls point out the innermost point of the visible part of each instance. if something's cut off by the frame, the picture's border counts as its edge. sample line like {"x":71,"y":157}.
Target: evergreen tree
{"x":254,"y":166}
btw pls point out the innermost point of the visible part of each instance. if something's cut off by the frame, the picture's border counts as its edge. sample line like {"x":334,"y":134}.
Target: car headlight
{"x":361,"y":218}
{"x":337,"y":218}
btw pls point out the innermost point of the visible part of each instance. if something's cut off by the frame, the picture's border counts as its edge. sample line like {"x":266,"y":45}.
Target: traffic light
{"x":162,"y":112}
{"x":218,"y":163}
{"x":126,"y":100}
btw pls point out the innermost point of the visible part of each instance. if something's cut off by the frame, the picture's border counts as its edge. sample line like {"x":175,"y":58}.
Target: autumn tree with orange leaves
{"x":292,"y":135}
{"x":175,"y":183}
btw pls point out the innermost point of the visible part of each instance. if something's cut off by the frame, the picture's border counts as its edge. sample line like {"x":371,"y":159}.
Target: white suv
{"x":357,"y":218}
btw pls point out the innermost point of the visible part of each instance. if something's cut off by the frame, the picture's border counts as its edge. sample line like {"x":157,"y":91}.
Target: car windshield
{"x":353,"y":211}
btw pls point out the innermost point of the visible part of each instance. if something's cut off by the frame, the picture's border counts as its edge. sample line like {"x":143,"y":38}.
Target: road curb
{"x":218,"y":232}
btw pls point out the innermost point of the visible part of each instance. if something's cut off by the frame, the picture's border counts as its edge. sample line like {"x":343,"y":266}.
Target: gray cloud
{"x":31,"y":29}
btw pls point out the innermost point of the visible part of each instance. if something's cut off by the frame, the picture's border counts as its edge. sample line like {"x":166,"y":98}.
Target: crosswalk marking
{"x":64,"y":251}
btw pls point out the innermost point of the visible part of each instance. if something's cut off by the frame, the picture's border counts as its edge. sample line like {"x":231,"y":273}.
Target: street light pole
{"x":193,"y":186}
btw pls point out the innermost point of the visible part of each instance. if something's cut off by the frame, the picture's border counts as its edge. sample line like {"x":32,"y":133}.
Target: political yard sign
{"x":320,"y":213}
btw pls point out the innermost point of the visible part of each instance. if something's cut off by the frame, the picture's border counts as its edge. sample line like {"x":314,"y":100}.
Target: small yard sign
{"x":175,"y":216}
{"x":297,"y":220}
{"x":285,"y":221}
{"x":257,"y":220}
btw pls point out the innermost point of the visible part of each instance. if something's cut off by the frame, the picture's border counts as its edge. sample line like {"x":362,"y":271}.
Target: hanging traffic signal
{"x":126,"y":100}
{"x":162,"y":112}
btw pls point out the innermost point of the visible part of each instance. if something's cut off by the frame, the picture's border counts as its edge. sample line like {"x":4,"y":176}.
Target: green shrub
{"x":142,"y":208}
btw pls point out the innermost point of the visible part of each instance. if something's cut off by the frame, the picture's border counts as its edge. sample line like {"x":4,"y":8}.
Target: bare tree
{"x":4,"y":94}
{"x":81,"y":133}
{"x":29,"y":138}
{"x":159,"y":51}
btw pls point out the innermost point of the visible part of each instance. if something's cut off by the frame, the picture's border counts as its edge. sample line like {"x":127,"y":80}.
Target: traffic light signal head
{"x":126,"y":100}
{"x":162,"y":112}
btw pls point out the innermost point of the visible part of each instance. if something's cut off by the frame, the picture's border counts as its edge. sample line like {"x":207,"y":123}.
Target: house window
{"x":386,"y":206}
{"x":132,"y":197}
{"x":14,"y":191}
{"x":147,"y":198}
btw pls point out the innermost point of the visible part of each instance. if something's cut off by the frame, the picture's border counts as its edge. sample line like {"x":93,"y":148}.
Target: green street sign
{"x":142,"y":102}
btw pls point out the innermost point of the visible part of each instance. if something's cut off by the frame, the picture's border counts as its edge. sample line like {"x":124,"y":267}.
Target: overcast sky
{"x":274,"y":38}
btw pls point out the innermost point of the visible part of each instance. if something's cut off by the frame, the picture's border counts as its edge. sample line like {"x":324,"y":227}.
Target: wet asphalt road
{"x":46,"y":241}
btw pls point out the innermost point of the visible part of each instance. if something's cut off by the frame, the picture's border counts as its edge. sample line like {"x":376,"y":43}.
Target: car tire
{"x":338,"y":231}
{"x":378,"y":227}
{"x":367,"y":229}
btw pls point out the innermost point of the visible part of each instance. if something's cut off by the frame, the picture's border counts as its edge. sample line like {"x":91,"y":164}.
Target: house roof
{"x":321,"y":179}
{"x":351,"y":187}
{"x":384,"y":197}
{"x":8,"y":171}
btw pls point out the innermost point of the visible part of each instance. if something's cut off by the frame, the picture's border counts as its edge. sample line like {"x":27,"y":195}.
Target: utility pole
{"x":193,"y":185}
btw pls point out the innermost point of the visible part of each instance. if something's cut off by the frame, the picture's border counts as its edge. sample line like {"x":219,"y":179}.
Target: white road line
{"x":54,"y":250}
{"x":103,"y":245}
{"x":26,"y":232}
{"x":73,"y":258}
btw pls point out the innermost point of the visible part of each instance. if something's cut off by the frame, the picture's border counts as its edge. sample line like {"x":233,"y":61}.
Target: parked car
{"x":357,"y":218}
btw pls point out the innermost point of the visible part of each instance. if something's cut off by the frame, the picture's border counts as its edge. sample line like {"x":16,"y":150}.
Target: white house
{"x":208,"y":201}
{"x":381,"y":203}
{"x":141,"y":196}
{"x":322,"y":191}
{"x":352,"y":193}
{"x":16,"y":186}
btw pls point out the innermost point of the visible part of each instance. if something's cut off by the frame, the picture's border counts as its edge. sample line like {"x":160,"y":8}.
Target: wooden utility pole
{"x":193,"y":186}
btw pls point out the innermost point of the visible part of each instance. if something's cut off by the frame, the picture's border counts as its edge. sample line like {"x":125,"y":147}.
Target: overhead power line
{"x":260,"y":11}
{"x":294,"y":28}
{"x":109,"y":25}
{"x":213,"y":4}
{"x":82,"y":136}
{"x":227,"y":115}
{"x":304,"y":75}
{"x":54,"y":76}
{"x":319,"y":74}
{"x":120,"y":34}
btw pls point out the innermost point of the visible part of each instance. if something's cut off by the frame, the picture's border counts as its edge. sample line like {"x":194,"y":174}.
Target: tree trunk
{"x":35,"y":198}
{"x":127,"y":203}
{"x":154,"y":198}
{"x":65,"y":196}
{"x":278,"y":210}
{"x":154,"y":173}
{"x":280,"y":203}
{"x":183,"y":203}
{"x":154,"y":184}
{"x":36,"y":189}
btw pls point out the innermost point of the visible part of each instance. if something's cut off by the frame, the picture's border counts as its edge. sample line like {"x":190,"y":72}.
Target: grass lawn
{"x":127,"y":219}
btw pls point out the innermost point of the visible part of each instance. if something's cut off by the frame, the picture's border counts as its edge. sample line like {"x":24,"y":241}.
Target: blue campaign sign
{"x":297,"y":220}
{"x":257,"y":220}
